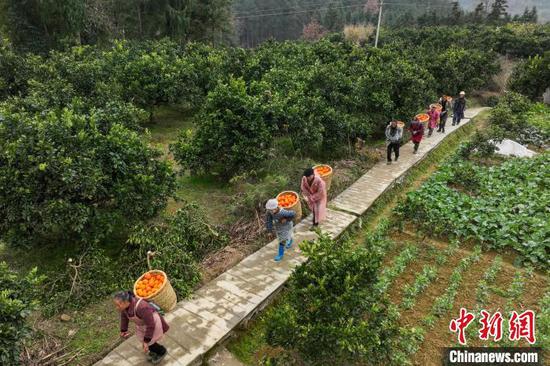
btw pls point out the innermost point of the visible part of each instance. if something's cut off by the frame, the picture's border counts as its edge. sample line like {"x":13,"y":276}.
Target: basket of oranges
{"x":325,"y":171}
{"x":289,"y":200}
{"x":154,"y":286}
{"x":423,"y":118}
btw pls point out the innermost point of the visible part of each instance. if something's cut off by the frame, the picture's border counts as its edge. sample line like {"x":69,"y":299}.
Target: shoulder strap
{"x":136,"y":306}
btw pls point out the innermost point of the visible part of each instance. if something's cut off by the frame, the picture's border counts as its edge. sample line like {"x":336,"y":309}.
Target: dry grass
{"x":358,"y":33}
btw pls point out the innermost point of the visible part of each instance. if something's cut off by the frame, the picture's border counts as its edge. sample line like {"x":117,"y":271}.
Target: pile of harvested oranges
{"x":423,"y":117}
{"x":149,"y":284}
{"x":287,"y":200}
{"x":323,"y":170}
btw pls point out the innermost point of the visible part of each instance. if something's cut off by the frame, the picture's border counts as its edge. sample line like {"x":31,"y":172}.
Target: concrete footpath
{"x":208,"y":317}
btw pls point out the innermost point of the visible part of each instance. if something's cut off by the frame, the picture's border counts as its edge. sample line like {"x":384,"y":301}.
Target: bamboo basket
{"x":438,"y":106}
{"x":296,"y":207}
{"x":327,"y":177}
{"x":423,"y":118}
{"x":165,"y":297}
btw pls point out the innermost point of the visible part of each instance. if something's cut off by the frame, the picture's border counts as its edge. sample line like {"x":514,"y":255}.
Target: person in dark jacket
{"x":393,"y":139}
{"x":417,"y":131}
{"x":459,"y":106}
{"x":444,"y":113}
{"x":150,"y":325}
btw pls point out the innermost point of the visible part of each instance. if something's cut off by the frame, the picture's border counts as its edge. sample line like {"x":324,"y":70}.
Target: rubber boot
{"x":289,"y":243}
{"x":281,"y":252}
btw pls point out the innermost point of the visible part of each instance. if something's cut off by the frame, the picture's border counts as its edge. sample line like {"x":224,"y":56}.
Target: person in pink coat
{"x":314,"y":190}
{"x":150,"y":325}
{"x":434,"y":119}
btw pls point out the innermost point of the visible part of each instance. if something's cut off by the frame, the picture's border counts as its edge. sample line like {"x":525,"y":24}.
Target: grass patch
{"x":250,"y":341}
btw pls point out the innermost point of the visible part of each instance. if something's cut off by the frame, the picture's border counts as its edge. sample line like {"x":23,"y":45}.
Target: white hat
{"x":271,"y":204}
{"x":462,"y":93}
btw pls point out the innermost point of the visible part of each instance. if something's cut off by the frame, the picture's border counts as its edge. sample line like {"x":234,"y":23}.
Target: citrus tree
{"x":231,"y":136}
{"x":68,"y":176}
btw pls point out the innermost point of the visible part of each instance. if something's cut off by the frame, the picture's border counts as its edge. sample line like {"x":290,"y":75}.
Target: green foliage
{"x":181,"y":241}
{"x":543,"y":320}
{"x":539,"y":116}
{"x":461,"y":68}
{"x":89,"y":276}
{"x":231,"y":137}
{"x":388,"y":274}
{"x":530,"y":77}
{"x":445,"y":302}
{"x":421,"y":282}
{"x":480,"y":145}
{"x":332,"y":314}
{"x":18,"y":296}
{"x":12,"y":71}
{"x":65,"y":177}
{"x":507,"y":210}
{"x":513,"y":116}
{"x":40,"y":25}
{"x":482,"y":291}
{"x":515,"y":39}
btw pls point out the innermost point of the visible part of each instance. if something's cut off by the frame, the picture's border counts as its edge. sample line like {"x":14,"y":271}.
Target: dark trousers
{"x":456,"y":118}
{"x":395,"y":147}
{"x":442,"y":122}
{"x":416,"y":145}
{"x":430,"y":131}
{"x":158,"y":349}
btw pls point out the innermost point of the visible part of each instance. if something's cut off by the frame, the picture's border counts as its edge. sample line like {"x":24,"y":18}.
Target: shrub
{"x":358,"y":33}
{"x":18,"y":296}
{"x":466,"y":175}
{"x":482,"y":144}
{"x":86,"y":277}
{"x":520,"y":120}
{"x":332,"y":314}
{"x":180,"y":241}
{"x":13,"y":71}
{"x":231,"y":137}
{"x":530,"y":77}
{"x":63,"y":177}
{"x":461,"y":69}
{"x":539,"y":116}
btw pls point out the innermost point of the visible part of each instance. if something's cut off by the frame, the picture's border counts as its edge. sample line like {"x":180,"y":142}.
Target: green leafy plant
{"x":231,"y":137}
{"x":403,"y":259}
{"x":18,"y":297}
{"x":444,"y":303}
{"x":530,"y":77}
{"x":63,"y":177}
{"x":507,"y":211}
{"x":482,"y":290}
{"x":180,"y":241}
{"x":331,"y":313}
{"x":421,"y":281}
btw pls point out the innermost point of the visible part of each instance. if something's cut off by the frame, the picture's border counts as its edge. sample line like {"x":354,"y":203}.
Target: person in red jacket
{"x":150,"y":325}
{"x":417,"y":130}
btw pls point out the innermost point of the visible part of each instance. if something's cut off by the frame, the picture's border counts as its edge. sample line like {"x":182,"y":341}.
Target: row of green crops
{"x":503,"y":206}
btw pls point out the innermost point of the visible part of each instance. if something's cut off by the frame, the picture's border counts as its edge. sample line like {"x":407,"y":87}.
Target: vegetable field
{"x":430,"y":258}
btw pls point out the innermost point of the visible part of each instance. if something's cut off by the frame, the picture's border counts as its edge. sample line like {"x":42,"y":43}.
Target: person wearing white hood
{"x":280,"y":220}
